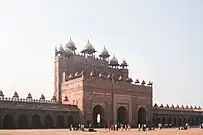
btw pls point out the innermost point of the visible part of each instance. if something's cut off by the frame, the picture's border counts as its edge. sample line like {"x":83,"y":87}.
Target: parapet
{"x":172,"y":107}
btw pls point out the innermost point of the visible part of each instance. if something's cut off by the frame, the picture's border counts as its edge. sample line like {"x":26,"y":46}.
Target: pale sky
{"x":162,"y":41}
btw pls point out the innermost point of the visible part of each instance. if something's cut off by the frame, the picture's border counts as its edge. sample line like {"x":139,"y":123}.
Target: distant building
{"x":88,"y":87}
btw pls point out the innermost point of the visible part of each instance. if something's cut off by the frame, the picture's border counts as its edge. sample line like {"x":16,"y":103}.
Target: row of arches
{"x":122,"y":115}
{"x":175,"y":121}
{"x":22,"y":122}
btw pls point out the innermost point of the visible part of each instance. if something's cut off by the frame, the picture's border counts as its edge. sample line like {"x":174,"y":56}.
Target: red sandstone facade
{"x":86,"y":86}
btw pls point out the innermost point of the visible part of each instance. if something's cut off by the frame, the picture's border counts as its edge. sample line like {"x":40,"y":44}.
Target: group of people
{"x":122,"y":127}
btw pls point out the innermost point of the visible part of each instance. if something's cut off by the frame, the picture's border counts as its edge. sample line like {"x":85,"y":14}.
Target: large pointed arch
{"x":98,"y":115}
{"x":36,"y":122}
{"x":8,"y":121}
{"x":122,"y":115}
{"x":48,"y":121}
{"x":142,"y":114}
{"x":22,"y":121}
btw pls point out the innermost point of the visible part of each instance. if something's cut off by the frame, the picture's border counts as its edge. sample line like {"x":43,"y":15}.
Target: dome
{"x":167,"y":106}
{"x":61,"y":49}
{"x":1,"y":93}
{"x":191,"y":107}
{"x":42,"y":97}
{"x":53,"y":98}
{"x":150,"y":83}
{"x":68,"y":52}
{"x":15,"y":95}
{"x":155,"y":105}
{"x":29,"y":96}
{"x":161,"y":106}
{"x":89,"y":49}
{"x":177,"y":106}
{"x":71,"y":45}
{"x":143,"y":82}
{"x":137,"y":81}
{"x":186,"y":107}
{"x":182,"y":107}
{"x":104,"y":54}
{"x":114,"y":61}
{"x":172,"y":106}
{"x":65,"y":98}
{"x":124,"y":63}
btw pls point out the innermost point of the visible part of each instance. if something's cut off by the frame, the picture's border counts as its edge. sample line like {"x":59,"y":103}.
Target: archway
{"x":22,"y":122}
{"x":179,"y":122}
{"x":122,"y":115}
{"x":70,"y":120}
{"x":48,"y":121}
{"x":163,"y":120}
{"x":8,"y":122}
{"x":36,"y":122}
{"x":141,"y":116}
{"x":169,"y":120}
{"x":60,"y":122}
{"x":174,"y":122}
{"x":98,"y":116}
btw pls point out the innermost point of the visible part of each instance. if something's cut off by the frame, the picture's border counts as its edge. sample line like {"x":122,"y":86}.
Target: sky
{"x":161,"y":40}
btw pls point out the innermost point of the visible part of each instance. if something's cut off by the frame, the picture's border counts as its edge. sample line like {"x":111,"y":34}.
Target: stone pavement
{"x":193,"y":131}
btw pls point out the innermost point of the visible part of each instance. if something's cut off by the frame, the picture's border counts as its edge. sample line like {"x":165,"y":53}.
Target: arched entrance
{"x":179,"y":122}
{"x":22,"y":122}
{"x":174,"y":122}
{"x":122,"y":115}
{"x":36,"y":122}
{"x":8,"y":122}
{"x":163,"y":120}
{"x":70,"y":120}
{"x":60,"y":122}
{"x":141,"y":116}
{"x":48,"y":121}
{"x":98,"y":116}
{"x":169,"y":120}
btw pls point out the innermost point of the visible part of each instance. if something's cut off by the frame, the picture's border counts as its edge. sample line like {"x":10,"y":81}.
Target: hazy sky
{"x":162,"y":41}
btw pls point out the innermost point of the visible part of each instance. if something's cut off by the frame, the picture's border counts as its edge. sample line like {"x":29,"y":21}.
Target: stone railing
{"x":27,"y":100}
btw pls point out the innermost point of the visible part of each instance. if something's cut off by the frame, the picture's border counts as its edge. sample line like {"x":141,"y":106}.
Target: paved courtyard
{"x":194,"y":131}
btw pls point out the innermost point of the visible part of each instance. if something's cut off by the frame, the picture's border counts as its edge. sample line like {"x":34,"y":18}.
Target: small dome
{"x":191,"y":107}
{"x":29,"y":96}
{"x":137,"y":81}
{"x":53,"y":98}
{"x":124,"y":63}
{"x":1,"y":93}
{"x":65,"y":98}
{"x":161,"y":106}
{"x":129,"y":80}
{"x":68,"y":52}
{"x":143,"y":82}
{"x":155,"y":105}
{"x":167,"y":106}
{"x":177,"y":106}
{"x":89,"y":49}
{"x":15,"y":95}
{"x":182,"y":107}
{"x":186,"y":107}
{"x":195,"y":107}
{"x":199,"y":108}
{"x":42,"y":97}
{"x":150,"y":83}
{"x":114,"y":61}
{"x":61,"y":49}
{"x":104,"y":54}
{"x":71,"y":45}
{"x":172,"y":106}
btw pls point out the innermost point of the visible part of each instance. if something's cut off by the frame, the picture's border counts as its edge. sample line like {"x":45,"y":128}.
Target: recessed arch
{"x":70,"y":120}
{"x":48,"y":121}
{"x":22,"y":121}
{"x":36,"y":122}
{"x":142,"y":114}
{"x":122,"y":115}
{"x":60,"y":121}
{"x":8,"y":122}
{"x":98,"y":116}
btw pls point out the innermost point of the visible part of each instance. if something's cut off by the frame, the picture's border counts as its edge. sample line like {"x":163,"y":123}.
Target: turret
{"x":15,"y":95}
{"x":104,"y":54}
{"x":71,"y":45}
{"x":114,"y":62}
{"x":29,"y":96}
{"x":124,"y":64}
{"x":1,"y":94}
{"x":88,"y":49}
